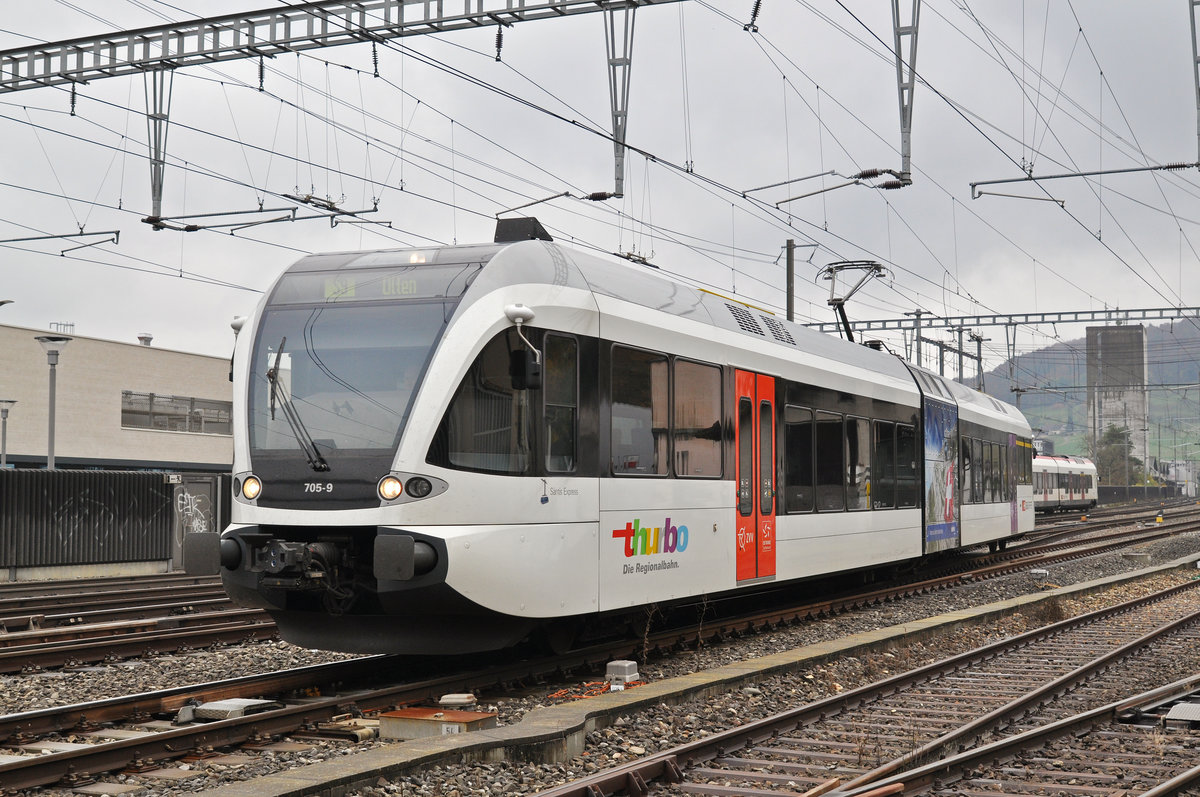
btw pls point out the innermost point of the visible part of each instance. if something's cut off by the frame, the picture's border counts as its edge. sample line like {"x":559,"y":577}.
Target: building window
{"x":175,"y":413}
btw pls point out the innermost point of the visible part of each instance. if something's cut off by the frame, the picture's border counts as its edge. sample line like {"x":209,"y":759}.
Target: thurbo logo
{"x":642,"y":540}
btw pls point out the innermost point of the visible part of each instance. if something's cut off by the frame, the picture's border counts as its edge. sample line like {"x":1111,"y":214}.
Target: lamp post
{"x":5,"y":406}
{"x":52,"y":344}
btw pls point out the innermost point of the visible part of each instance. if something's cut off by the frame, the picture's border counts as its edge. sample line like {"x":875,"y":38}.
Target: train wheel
{"x":559,"y":637}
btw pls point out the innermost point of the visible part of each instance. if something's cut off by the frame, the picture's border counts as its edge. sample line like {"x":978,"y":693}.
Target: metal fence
{"x":1120,"y":494}
{"x":84,"y":517}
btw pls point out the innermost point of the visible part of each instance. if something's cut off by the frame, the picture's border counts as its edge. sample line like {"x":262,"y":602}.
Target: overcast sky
{"x":447,"y":136}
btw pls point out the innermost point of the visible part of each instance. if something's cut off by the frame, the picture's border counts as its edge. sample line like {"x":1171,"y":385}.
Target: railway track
{"x":1123,"y":511}
{"x":187,"y":624}
{"x":1142,"y":745}
{"x":1066,"y":528}
{"x":139,"y":730}
{"x":27,"y":607}
{"x":60,"y":624}
{"x":870,"y":737}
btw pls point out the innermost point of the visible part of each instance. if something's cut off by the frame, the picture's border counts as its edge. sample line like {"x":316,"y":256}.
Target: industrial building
{"x":118,"y":406}
{"x":1116,"y":384}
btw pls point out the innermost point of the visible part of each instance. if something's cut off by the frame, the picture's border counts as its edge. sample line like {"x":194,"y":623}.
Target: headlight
{"x":390,"y":488}
{"x":419,"y":487}
{"x":251,"y":488}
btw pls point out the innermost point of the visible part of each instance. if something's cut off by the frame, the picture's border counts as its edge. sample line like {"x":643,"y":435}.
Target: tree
{"x":1115,"y":463}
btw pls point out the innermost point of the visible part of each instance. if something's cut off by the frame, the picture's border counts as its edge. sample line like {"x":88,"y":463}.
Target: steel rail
{"x":73,"y":652}
{"x":30,"y":589}
{"x":929,"y":774}
{"x":48,"y":769}
{"x":19,"y":652}
{"x":668,"y":765}
{"x":885,"y":594}
{"x":60,"y":719}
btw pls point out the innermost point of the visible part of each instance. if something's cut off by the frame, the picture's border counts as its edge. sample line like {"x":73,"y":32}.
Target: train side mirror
{"x":525,"y":370}
{"x":524,"y":365}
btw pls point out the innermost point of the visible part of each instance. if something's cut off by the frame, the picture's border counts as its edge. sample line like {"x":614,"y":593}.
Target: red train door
{"x":754,"y":440}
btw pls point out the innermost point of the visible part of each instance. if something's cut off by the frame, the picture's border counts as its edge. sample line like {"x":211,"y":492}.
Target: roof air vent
{"x":745,"y":320}
{"x":778,"y":330}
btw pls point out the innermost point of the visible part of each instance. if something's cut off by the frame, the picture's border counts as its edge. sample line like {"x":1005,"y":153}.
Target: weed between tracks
{"x":1049,"y":612}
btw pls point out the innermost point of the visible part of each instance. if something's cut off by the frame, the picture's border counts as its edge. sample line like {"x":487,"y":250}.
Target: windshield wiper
{"x":299,"y":431}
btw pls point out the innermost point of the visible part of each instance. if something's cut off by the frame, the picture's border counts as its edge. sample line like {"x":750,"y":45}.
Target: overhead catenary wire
{"x":890,"y":210}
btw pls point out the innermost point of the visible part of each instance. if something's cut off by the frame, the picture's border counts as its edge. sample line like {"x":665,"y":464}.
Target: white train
{"x":1064,"y":484}
{"x":450,"y":449}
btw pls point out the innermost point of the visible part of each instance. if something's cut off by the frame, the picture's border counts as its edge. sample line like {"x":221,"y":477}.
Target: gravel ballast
{"x":637,"y":733}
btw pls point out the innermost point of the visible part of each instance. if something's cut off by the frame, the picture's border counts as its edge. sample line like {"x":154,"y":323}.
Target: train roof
{"x":549,"y":263}
{"x":647,"y":287}
{"x":973,"y":405}
{"x":535,"y":261}
{"x":1064,"y":458}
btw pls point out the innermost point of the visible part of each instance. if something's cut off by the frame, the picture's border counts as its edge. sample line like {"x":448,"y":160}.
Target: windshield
{"x":336,"y":378}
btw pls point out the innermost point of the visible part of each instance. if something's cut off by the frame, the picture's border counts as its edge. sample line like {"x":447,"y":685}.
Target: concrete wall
{"x":91,"y":375}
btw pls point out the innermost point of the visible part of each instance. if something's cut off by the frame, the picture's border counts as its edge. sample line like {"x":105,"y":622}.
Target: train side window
{"x":978,"y":478}
{"x":906,"y":465}
{"x":988,"y":475}
{"x":1006,"y":474}
{"x":967,"y":467}
{"x":696,"y":426}
{"x":487,"y":425}
{"x":560,"y":391}
{"x":797,"y":459}
{"x":831,"y":469}
{"x":640,"y":399}
{"x":883,"y":459}
{"x":996,"y":491}
{"x":858,"y":463}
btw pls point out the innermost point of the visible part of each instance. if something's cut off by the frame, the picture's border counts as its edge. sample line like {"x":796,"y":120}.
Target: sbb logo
{"x":642,"y":540}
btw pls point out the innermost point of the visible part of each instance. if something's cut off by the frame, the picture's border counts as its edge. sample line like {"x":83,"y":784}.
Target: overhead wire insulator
{"x":375,"y":57}
{"x":891,"y":185}
{"x":750,"y":26}
{"x":262,"y":72}
{"x":867,"y":174}
{"x":499,"y":42}
{"x":72,"y":99}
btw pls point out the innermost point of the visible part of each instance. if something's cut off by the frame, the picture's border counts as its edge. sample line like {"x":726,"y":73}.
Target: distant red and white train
{"x":1063,"y":484}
